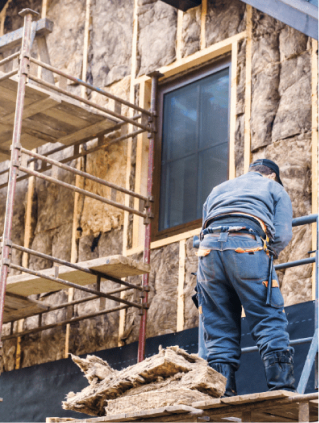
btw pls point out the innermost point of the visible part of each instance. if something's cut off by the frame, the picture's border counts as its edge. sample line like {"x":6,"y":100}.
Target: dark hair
{"x":264,"y":170}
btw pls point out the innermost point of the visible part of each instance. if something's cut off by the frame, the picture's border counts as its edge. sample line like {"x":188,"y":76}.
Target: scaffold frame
{"x":138,"y":126}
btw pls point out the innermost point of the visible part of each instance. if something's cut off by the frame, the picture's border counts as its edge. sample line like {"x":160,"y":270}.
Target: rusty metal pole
{"x":15,"y":154}
{"x":147,"y":242}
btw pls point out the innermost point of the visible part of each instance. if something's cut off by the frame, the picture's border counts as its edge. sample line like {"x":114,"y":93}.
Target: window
{"x":192,"y":147}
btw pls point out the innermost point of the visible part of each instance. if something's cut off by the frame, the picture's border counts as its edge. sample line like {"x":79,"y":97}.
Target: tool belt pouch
{"x":195,"y":296}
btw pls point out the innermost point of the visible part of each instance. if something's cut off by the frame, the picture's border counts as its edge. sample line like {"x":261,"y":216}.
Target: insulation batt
{"x":171,"y":377}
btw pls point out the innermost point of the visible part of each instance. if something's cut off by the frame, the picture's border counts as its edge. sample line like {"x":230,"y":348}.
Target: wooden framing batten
{"x":129,"y":154}
{"x":203,"y":25}
{"x":25,"y":256}
{"x":129,"y":142}
{"x":233,"y":103}
{"x":247,"y":137}
{"x":180,"y":289}
{"x":86,"y":45}
{"x":141,"y":167}
{"x":179,"y":34}
{"x":74,"y":256}
{"x":44,"y":9}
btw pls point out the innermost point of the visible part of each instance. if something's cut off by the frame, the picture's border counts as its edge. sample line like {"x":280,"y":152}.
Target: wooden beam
{"x":180,"y":289}
{"x":121,"y":323}
{"x":247,"y":138}
{"x":198,"y":58}
{"x":179,"y":34}
{"x":141,"y":167}
{"x":314,"y":152}
{"x":3,"y":17}
{"x":33,"y":108}
{"x":13,"y":39}
{"x":203,"y":25}
{"x":88,"y":133}
{"x":129,"y":143}
{"x":79,"y":182}
{"x":44,"y":9}
{"x":303,"y":412}
{"x":166,"y":241}
{"x":86,"y":45}
{"x":25,"y":256}
{"x":116,"y":266}
{"x":233,"y":115}
{"x":129,"y":153}
{"x":246,"y":416}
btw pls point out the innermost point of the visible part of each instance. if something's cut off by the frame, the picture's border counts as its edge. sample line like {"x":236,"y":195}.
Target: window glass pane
{"x":214,"y":109}
{"x":194,"y":147}
{"x":213,"y":165}
{"x":180,"y":122}
{"x":178,"y":206}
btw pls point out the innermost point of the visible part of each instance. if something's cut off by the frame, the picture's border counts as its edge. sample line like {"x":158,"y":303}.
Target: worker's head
{"x":267,"y":168}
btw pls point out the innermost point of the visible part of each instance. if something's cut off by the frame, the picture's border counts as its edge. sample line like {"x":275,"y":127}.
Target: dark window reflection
{"x":195,"y":147}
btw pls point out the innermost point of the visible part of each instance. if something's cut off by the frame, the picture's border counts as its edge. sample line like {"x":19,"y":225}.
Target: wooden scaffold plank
{"x":116,"y":266}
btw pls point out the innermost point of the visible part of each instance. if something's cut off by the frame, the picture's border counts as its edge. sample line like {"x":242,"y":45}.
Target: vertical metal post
{"x":15,"y":153}
{"x":147,"y":241}
{"x":312,"y":356}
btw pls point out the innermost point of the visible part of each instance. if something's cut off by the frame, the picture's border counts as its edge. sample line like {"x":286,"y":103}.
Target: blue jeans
{"x":227,"y":280}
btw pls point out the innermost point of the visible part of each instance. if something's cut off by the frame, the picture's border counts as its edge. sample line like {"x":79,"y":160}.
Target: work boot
{"x":228,"y":371}
{"x":279,"y":369}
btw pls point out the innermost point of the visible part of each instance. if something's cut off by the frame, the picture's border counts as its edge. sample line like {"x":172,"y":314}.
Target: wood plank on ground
{"x":117,"y":266}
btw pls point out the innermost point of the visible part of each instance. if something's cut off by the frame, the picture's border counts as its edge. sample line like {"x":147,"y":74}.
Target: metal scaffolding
{"x":138,"y":126}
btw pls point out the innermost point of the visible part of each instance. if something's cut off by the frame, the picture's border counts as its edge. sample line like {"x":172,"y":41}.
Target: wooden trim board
{"x":198,"y":58}
{"x":242,"y":399}
{"x":247,"y":140}
{"x":233,"y":115}
{"x":203,"y":25}
{"x":180,"y":288}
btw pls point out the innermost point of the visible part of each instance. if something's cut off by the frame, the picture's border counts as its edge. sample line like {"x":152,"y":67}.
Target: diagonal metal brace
{"x":310,"y":360}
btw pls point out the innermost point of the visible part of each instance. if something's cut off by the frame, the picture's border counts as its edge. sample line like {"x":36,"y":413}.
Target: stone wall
{"x":280,"y":130}
{"x":157,"y":24}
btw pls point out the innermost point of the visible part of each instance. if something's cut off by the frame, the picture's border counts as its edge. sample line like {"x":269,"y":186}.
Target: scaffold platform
{"x":275,"y":406}
{"x":47,"y":118}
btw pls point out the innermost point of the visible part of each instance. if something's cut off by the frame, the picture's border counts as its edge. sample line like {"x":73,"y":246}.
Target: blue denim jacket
{"x":262,"y":197}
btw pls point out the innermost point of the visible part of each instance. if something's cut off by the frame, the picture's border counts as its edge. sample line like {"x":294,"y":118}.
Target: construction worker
{"x":247,"y":221}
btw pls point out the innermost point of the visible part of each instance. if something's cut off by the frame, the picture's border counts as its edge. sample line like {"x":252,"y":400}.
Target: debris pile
{"x":171,"y":377}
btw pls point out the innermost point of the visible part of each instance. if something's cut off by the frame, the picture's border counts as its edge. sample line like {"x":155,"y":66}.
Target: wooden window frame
{"x":164,"y":88}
